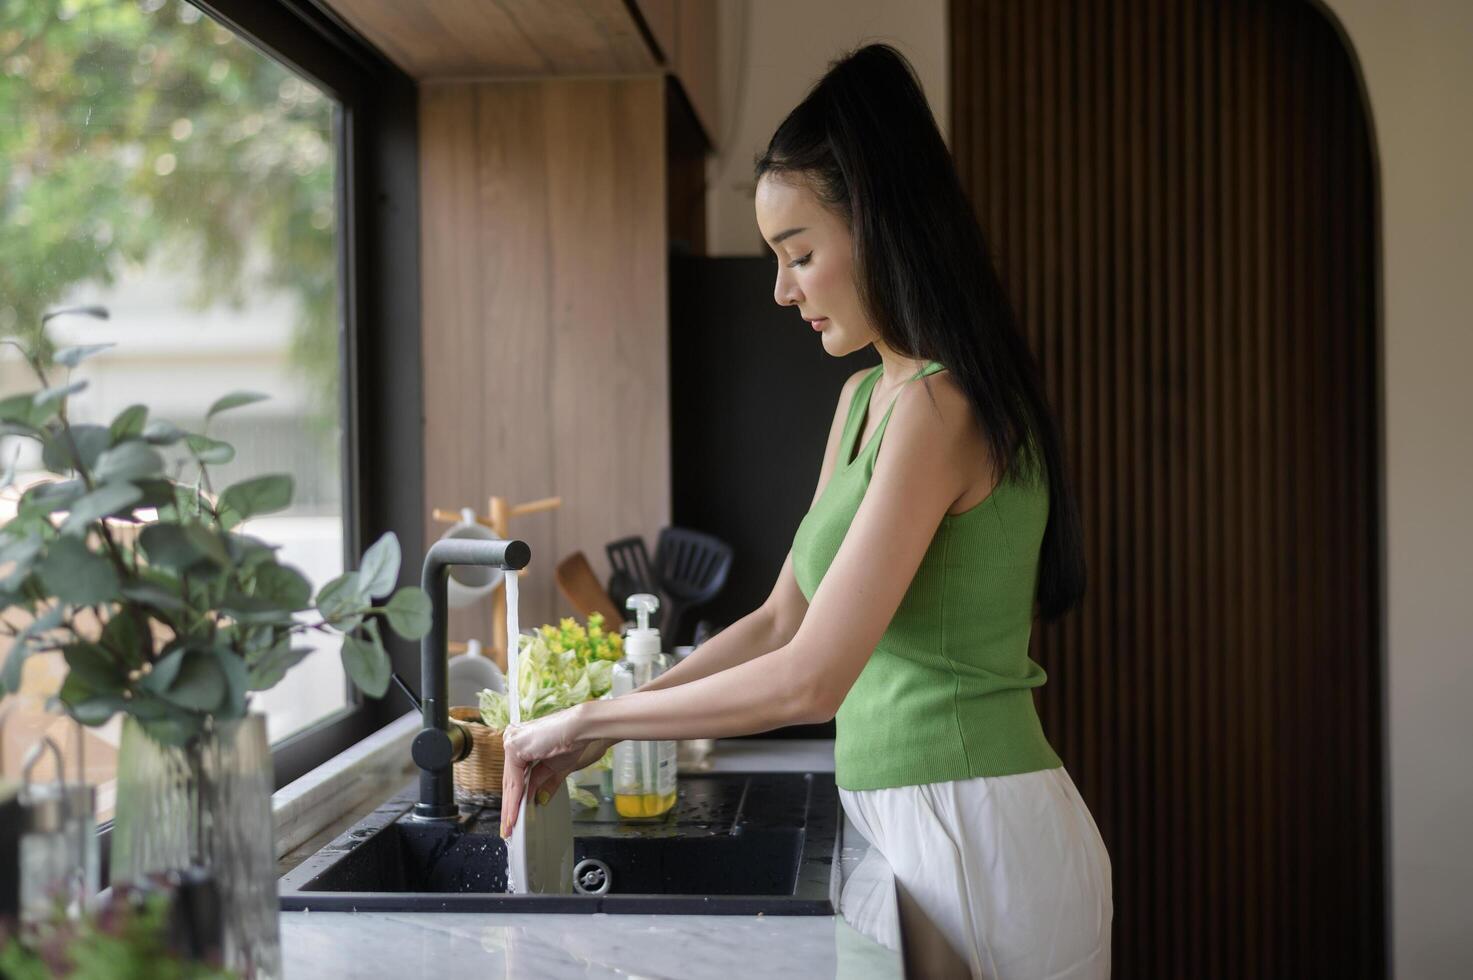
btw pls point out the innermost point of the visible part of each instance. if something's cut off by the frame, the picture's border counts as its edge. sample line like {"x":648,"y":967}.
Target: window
{"x":164,"y":165}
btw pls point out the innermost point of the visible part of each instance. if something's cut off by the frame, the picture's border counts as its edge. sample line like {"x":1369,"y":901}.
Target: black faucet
{"x":442,"y":743}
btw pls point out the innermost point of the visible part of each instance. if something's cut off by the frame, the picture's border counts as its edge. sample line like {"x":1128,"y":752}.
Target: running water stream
{"x":539,"y":855}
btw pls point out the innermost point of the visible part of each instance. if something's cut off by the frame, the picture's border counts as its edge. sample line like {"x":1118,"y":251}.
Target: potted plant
{"x":137,"y":934}
{"x":167,"y":611}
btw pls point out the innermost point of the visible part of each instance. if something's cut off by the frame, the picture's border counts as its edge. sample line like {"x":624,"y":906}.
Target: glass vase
{"x":206,"y":807}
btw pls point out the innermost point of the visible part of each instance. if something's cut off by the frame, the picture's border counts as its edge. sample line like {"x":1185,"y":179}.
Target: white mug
{"x":470,"y":583}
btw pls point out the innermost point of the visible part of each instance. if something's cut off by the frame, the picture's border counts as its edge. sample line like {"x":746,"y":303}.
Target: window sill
{"x":365,"y":773}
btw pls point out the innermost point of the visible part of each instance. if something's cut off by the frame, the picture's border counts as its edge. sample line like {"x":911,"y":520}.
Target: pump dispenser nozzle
{"x":642,"y":642}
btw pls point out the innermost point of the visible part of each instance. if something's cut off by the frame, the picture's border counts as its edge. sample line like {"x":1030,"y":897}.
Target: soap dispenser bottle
{"x":644,"y":772}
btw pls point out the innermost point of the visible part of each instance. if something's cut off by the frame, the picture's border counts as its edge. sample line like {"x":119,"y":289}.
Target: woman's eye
{"x":800,"y":261}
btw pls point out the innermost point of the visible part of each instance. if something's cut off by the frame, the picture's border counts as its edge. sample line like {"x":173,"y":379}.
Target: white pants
{"x":997,"y":877}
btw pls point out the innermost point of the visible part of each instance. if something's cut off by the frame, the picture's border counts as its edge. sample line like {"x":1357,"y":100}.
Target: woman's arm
{"x":756,"y":634}
{"x":773,"y":624}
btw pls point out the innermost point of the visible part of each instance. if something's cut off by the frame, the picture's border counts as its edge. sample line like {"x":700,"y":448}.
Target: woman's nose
{"x":785,"y":292}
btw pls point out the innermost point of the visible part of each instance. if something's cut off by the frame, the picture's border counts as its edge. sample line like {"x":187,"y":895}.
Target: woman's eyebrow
{"x":783,"y":236}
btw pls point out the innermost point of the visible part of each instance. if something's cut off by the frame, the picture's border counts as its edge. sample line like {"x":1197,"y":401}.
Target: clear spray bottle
{"x":644,"y":772}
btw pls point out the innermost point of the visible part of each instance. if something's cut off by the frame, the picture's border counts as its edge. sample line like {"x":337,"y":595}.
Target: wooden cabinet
{"x":465,"y":39}
{"x":685,"y":33}
{"x":444,"y":40}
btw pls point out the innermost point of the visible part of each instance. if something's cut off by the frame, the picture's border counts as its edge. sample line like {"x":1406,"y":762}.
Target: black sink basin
{"x":736,"y":843}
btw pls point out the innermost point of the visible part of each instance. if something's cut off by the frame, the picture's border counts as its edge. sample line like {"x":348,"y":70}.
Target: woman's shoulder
{"x":937,"y":415}
{"x":851,"y":386}
{"x":937,"y":400}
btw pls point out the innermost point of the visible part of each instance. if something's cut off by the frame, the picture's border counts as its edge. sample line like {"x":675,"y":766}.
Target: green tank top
{"x":948,"y":692}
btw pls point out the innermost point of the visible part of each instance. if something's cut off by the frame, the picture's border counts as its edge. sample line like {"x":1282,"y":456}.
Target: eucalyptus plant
{"x":143,"y":579}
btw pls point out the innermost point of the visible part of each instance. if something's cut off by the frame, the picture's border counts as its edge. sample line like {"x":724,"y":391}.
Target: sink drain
{"x":591,"y":877}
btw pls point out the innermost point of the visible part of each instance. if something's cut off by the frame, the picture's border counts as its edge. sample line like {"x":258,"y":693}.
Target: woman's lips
{"x":818,"y":324}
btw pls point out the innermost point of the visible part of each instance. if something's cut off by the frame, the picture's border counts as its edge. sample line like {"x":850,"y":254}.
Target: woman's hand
{"x":538,"y":756}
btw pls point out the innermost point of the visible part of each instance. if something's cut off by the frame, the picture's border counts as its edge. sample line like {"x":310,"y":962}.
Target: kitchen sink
{"x":735,"y":844}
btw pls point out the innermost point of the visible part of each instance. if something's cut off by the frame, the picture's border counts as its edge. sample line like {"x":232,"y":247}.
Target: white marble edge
{"x":529,"y":945}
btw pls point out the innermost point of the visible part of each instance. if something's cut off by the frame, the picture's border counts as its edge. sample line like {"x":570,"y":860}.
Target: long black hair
{"x":865,"y":141}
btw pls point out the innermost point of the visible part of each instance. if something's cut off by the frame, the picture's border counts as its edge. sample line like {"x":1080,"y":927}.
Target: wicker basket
{"x":478,"y":775}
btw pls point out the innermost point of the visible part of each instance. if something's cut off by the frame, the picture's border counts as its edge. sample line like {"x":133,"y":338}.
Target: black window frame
{"x":382,"y":407}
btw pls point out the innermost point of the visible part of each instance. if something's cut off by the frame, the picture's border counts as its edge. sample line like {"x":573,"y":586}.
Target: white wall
{"x":760,"y":81}
{"x":1419,"y":75}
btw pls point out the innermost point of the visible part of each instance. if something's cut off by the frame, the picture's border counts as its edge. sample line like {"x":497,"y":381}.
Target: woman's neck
{"x":897,"y":368}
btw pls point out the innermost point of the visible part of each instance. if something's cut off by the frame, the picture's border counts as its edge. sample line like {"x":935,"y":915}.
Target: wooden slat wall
{"x":1180,"y":196}
{"x":545,"y":295}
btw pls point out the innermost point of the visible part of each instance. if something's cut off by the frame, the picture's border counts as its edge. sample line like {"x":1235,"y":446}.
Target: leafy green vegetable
{"x":558,"y":667}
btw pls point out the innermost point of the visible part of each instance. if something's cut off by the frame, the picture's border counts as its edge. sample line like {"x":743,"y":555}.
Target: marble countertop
{"x":524,"y":946}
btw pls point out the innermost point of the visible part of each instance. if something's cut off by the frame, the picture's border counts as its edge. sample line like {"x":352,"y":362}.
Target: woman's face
{"x":815,"y":262}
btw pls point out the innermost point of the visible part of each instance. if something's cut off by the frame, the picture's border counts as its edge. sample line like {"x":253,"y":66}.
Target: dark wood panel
{"x":1180,"y":196}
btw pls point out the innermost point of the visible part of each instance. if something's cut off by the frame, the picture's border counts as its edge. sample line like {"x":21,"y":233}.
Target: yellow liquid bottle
{"x":644,"y":771}
{"x":643,"y":805}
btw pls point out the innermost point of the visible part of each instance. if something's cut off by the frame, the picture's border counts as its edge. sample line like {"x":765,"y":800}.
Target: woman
{"x":940,"y":518}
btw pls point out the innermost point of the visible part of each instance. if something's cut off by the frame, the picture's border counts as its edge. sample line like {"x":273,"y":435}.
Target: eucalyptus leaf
{"x":188,"y":503}
{"x":147,"y":706}
{"x":96,"y":710}
{"x":210,"y":451}
{"x":10,"y":674}
{"x":21,"y":551}
{"x":131,"y":460}
{"x":8,"y":477}
{"x":129,"y":423}
{"x":367,"y":664}
{"x":342,"y":602}
{"x":246,"y":552}
{"x":176,"y":728}
{"x":53,"y":396}
{"x":260,"y":495}
{"x":173,"y":547}
{"x":148,"y":594}
{"x":200,"y":684}
{"x":88,"y":702}
{"x":252,"y":610}
{"x":91,"y":441}
{"x":92,"y":665}
{"x":51,"y":496}
{"x":157,"y":494}
{"x":75,"y":575}
{"x":160,"y":432}
{"x":268,"y":668}
{"x":19,"y":409}
{"x":15,"y":546}
{"x":283,"y":585}
{"x":209,"y":541}
{"x":164,"y":671}
{"x":100,"y":503}
{"x":72,"y":356}
{"x":237,"y":684}
{"x":379,"y":570}
{"x":20,"y":647}
{"x":235,"y":400}
{"x":409,"y":612}
{"x":132,"y":645}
